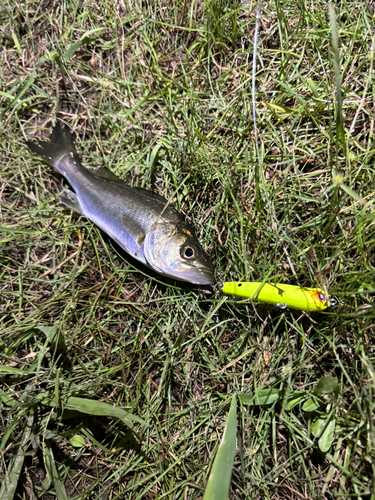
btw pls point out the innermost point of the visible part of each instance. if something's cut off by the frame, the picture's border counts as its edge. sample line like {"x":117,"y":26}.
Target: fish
{"x":141,"y":222}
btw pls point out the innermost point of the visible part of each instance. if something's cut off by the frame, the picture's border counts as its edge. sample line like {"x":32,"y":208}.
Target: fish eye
{"x":322,"y":297}
{"x":189,"y":251}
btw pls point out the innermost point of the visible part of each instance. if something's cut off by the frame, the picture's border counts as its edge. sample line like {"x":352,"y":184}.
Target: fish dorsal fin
{"x":105,"y":173}
{"x":133,"y":229}
{"x":153,"y":195}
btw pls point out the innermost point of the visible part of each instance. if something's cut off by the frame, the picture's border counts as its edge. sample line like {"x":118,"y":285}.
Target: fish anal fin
{"x":133,"y":229}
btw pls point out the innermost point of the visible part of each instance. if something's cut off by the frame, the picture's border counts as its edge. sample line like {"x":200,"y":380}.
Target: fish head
{"x":175,"y":251}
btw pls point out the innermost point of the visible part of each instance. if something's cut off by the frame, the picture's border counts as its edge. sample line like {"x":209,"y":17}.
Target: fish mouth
{"x":207,"y":279}
{"x":206,"y":271}
{"x":200,"y":276}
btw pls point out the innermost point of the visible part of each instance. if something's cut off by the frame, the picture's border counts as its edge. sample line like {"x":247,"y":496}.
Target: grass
{"x":161,"y":93}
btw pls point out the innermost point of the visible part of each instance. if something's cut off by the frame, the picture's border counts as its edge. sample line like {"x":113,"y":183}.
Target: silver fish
{"x":140,"y":221}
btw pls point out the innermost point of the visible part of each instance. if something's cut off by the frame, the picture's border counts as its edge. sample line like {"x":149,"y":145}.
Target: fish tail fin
{"x":59,"y":144}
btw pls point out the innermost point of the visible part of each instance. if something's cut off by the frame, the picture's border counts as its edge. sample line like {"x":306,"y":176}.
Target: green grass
{"x":161,"y":93}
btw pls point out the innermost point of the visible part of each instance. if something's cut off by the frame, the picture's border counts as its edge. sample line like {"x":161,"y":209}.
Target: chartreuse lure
{"x":296,"y":297}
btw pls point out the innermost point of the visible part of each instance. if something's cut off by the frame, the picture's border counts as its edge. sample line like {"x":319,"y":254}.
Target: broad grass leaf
{"x":10,"y":481}
{"x":325,"y":431}
{"x":77,"y":441}
{"x":294,"y":399}
{"x":261,"y":397}
{"x":219,"y":480}
{"x":317,"y":426}
{"x":326,"y":385}
{"x":154,"y":155}
{"x":84,"y":40}
{"x":310,"y":405}
{"x":325,"y":440}
{"x":49,"y":332}
{"x":16,"y":42}
{"x":10,"y":370}
{"x":281,"y":111}
{"x":200,"y":135}
{"x":6,"y":399}
{"x":49,"y":462}
{"x":93,"y":407}
{"x":11,"y":229}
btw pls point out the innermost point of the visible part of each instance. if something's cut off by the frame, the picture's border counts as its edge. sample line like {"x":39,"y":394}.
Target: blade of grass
{"x":50,"y":464}
{"x":10,"y":481}
{"x":219,"y":480}
{"x":336,"y":66}
{"x":93,"y":407}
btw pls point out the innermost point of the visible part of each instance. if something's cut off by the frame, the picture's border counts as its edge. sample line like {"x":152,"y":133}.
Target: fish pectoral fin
{"x":133,"y":229}
{"x":71,"y":201}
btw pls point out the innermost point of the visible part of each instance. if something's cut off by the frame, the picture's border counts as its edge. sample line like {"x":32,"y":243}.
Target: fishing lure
{"x":296,"y":297}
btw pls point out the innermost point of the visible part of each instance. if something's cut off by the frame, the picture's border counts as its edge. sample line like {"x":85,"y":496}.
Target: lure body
{"x":295,"y":297}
